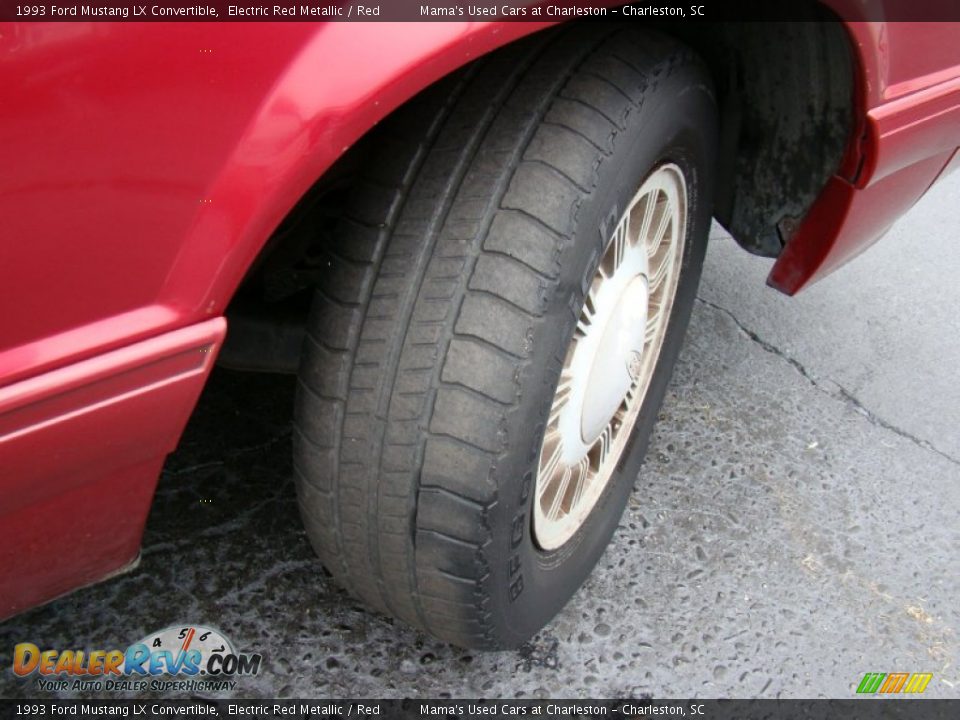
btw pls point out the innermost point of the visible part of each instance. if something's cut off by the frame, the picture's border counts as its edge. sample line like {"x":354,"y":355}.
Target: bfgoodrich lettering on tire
{"x":510,"y":288}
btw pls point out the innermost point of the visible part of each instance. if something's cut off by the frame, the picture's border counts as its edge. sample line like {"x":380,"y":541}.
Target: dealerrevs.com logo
{"x":200,"y":657}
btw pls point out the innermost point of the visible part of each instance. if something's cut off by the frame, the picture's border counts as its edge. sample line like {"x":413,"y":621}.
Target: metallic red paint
{"x":147,"y":174}
{"x":909,"y":96}
{"x":145,"y":166}
{"x":80,"y":451}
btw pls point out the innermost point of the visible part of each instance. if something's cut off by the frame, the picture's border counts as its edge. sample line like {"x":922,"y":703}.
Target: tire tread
{"x":411,"y":366}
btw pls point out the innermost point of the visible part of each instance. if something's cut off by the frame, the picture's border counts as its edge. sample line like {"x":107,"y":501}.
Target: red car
{"x":477,"y":243}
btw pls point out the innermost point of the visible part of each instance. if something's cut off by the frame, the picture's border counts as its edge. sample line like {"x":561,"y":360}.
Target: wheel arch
{"x":746,"y":61}
{"x":790,"y":115}
{"x":745,"y":65}
{"x":306,"y":123}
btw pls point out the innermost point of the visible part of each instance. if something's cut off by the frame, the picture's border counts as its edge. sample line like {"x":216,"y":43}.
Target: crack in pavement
{"x":843,"y":394}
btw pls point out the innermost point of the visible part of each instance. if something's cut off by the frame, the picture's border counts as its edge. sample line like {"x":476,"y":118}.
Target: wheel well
{"x":786,"y":97}
{"x":785,"y":94}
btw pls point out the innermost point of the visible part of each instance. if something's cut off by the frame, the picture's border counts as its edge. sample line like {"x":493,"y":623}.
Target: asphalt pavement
{"x":796,"y":524}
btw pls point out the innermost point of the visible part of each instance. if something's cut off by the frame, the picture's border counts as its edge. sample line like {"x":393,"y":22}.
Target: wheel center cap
{"x":617,"y":361}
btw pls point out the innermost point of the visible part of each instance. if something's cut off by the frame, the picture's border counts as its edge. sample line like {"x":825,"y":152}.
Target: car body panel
{"x":80,"y":451}
{"x":146,"y":209}
{"x":909,"y":132}
{"x":147,"y":164}
{"x":136,"y":195}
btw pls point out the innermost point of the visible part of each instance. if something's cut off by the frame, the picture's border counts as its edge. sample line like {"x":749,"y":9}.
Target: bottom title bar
{"x":867,"y":709}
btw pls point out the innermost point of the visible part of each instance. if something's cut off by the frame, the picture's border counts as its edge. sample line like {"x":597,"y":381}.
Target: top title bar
{"x":477,"y":11}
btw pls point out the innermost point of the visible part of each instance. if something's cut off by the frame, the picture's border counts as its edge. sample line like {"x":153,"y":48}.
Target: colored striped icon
{"x":889,"y":683}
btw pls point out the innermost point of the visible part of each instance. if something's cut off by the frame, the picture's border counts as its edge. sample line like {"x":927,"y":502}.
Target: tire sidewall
{"x":674,"y":124}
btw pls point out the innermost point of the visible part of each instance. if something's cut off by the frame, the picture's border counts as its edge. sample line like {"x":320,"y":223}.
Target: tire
{"x":438,"y":338}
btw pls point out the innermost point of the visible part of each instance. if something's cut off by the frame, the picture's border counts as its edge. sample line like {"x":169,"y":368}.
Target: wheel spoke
{"x":653,"y":323}
{"x":649,"y":206}
{"x":547,"y":470}
{"x":666,"y":262}
{"x":663,"y":222}
{"x":554,"y":510}
{"x":605,"y":437}
{"x":584,"y":477}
